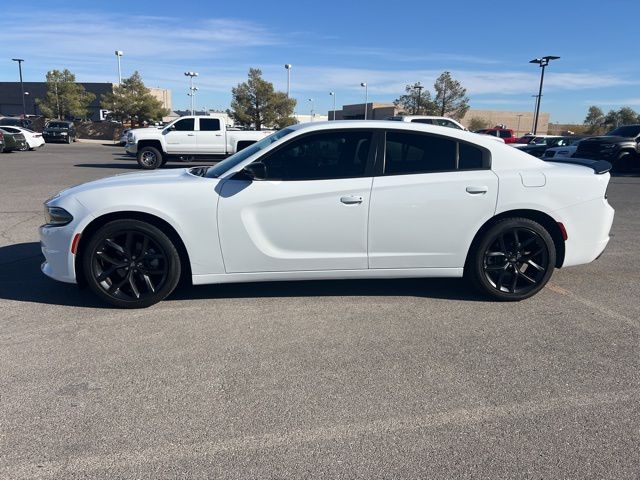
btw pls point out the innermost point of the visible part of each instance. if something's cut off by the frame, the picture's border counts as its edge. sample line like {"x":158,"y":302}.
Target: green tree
{"x":256,"y":103}
{"x":64,"y":98}
{"x":623,"y":116}
{"x":476,"y":123}
{"x":415,"y":102}
{"x":133,"y":101}
{"x":451,"y":97}
{"x":594,"y":120}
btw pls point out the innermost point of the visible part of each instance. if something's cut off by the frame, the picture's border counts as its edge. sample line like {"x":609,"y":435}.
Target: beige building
{"x":164,"y":95}
{"x":521,"y":122}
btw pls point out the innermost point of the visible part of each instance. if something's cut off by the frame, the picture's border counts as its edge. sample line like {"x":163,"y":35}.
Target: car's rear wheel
{"x":131,"y":264}
{"x":623,"y":162}
{"x":149,"y":158}
{"x":513,"y":260}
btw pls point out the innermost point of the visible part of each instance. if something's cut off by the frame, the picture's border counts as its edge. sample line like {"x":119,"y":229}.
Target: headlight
{"x":56,"y":216}
{"x":63,"y":133}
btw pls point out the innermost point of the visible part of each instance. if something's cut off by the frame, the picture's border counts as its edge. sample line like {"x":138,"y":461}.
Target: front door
{"x":211,"y":140}
{"x":309,"y":212}
{"x":434,"y":195}
{"x":180,"y":137}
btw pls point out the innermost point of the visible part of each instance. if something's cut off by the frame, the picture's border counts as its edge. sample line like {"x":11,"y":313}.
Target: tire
{"x":513,"y":260}
{"x":623,"y":162}
{"x":149,"y":158}
{"x":69,"y":140}
{"x":131,"y":264}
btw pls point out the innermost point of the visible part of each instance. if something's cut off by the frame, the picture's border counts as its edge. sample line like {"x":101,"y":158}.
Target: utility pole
{"x":418,"y":87}
{"x":24,"y":106}
{"x":542,"y":62}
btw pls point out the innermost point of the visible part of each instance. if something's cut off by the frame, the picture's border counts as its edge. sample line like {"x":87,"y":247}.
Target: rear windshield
{"x":626,"y":131}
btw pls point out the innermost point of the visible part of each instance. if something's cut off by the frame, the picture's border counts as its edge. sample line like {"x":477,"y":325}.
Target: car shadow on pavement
{"x":22,"y":280}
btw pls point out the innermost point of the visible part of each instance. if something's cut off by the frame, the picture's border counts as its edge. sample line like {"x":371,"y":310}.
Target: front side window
{"x":321,"y":156}
{"x":184,"y":125}
{"x":414,"y":153}
{"x":209,"y":124}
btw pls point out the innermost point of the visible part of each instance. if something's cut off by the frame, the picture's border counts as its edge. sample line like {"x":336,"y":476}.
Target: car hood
{"x":135,"y":180}
{"x":609,"y":139}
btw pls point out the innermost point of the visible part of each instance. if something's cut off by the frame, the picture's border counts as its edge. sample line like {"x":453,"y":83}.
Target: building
{"x":521,"y":122}
{"x":11,"y":97}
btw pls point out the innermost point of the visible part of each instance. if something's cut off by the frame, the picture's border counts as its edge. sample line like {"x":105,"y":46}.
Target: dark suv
{"x":59,"y":131}
{"x":621,"y":147}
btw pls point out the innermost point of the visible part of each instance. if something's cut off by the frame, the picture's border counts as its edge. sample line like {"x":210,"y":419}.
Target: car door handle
{"x":351,"y":199}
{"x":477,"y":190}
{"x":218,"y":134}
{"x":190,"y":134}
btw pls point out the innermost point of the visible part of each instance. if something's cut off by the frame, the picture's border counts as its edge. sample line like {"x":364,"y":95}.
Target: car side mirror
{"x":253,"y":171}
{"x":170,"y":128}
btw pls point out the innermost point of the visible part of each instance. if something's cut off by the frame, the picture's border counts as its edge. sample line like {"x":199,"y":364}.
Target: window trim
{"x":368,"y":169}
{"x":382,"y":171}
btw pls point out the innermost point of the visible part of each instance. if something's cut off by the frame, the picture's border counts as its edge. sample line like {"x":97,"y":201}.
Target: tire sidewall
{"x":475,"y":266}
{"x":112,"y":228}
{"x":158,"y":160}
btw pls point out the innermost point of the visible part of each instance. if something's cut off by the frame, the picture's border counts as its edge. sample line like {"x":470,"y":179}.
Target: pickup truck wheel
{"x":149,"y":158}
{"x":622,"y":164}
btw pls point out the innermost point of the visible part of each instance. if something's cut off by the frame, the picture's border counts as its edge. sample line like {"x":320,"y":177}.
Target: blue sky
{"x":334,"y":46}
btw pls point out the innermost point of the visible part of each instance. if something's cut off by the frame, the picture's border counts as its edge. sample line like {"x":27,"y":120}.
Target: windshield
{"x":242,"y":155}
{"x":57,"y":125}
{"x":626,"y":131}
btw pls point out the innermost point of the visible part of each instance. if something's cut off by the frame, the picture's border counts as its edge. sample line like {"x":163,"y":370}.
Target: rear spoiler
{"x":598,"y":166}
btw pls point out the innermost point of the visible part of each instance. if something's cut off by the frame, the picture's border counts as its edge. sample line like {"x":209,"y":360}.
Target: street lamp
{"x":366,"y":98}
{"x":418,"y":87}
{"x":119,"y":54}
{"x":333,"y":94}
{"x":55,"y":78}
{"x":193,"y":99}
{"x":191,"y":75}
{"x":288,"y":67}
{"x":24,"y":107}
{"x":518,"y":127}
{"x":311,"y":111}
{"x":535,"y":106}
{"x":542,"y":62}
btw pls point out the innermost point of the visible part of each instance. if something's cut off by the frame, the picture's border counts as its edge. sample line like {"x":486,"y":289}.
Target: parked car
{"x":565,"y":151}
{"x":429,"y":120}
{"x":1,"y":142}
{"x":123,"y":136}
{"x":59,"y":131}
{"x":620,"y":146}
{"x":533,"y":139}
{"x":347,"y":199}
{"x":506,"y":134}
{"x":538,"y":149}
{"x":186,"y":138}
{"x":34,"y":139}
{"x":16,"y":122}
{"x":13,"y":141}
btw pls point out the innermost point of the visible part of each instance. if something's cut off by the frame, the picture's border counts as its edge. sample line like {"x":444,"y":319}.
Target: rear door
{"x":433,"y":195}
{"x":210,"y":135}
{"x":180,"y":137}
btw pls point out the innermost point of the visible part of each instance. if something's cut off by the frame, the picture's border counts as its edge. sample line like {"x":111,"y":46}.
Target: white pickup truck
{"x":188,"y":137}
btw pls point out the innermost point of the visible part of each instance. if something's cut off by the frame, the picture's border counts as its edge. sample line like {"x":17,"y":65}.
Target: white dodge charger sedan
{"x":347,"y":199}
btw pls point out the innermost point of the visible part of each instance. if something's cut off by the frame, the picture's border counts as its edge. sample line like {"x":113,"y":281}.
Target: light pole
{"x":518,"y":127}
{"x":418,"y":87}
{"x":191,"y":75}
{"x":311,"y":111}
{"x":24,"y":107}
{"x":542,"y":62}
{"x":288,"y":67}
{"x":366,"y":98}
{"x":193,"y":99}
{"x":535,"y":106}
{"x":333,"y":94}
{"x":119,"y":54}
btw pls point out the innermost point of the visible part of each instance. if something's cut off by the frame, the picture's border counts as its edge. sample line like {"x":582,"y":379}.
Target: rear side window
{"x":505,"y":134}
{"x":423,"y":120}
{"x":410,"y":153}
{"x":209,"y":124}
{"x":414,"y":153}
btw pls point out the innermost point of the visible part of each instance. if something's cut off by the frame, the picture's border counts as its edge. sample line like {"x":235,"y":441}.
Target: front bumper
{"x":131,"y":148}
{"x":55,"y":138}
{"x":55,"y":243}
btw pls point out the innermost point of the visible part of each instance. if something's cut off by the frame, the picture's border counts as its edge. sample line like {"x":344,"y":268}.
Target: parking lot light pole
{"x":24,"y":107}
{"x":119,"y":54}
{"x":333,"y":94}
{"x":311,"y":111}
{"x":542,"y":62}
{"x":419,"y":88}
{"x":518,"y":127}
{"x":288,"y":67}
{"x":55,"y":89}
{"x":191,"y":75}
{"x":366,"y":98}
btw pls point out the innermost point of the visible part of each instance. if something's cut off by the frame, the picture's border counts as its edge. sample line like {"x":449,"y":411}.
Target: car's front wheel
{"x":149,"y":158}
{"x":513,"y":260}
{"x":131,"y":264}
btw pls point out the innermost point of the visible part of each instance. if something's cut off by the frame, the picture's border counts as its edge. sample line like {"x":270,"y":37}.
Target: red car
{"x":508,"y":135}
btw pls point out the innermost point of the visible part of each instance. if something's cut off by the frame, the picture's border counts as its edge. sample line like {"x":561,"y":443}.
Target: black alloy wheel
{"x":149,"y":158}
{"x":514,"y":260}
{"x":131,"y":264}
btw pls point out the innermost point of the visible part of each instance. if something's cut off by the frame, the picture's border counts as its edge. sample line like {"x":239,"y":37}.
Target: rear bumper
{"x":588,"y":227}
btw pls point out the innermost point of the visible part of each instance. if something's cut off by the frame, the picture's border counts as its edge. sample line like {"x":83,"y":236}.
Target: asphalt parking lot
{"x":338,"y":379}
